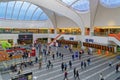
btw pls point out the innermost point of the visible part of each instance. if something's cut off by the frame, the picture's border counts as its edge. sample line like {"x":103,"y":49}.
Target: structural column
{"x":55,"y":32}
{"x":91,"y":31}
{"x":49,"y":40}
{"x":15,"y":41}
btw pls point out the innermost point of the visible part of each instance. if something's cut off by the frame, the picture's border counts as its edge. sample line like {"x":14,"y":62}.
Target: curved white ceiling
{"x":56,"y":7}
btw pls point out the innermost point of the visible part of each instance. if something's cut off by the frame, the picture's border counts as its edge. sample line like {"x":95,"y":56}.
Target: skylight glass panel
{"x":9,"y":10}
{"x":30,"y":12}
{"x":81,"y":5}
{"x":23,"y":10}
{"x":110,"y":3}
{"x":3,"y":6}
{"x":20,"y":10}
{"x":68,"y":2}
{"x":37,"y":14}
{"x":16,"y":9}
{"x":43,"y":17}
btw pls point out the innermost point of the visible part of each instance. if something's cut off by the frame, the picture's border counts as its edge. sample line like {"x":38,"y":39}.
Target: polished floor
{"x":99,"y":64}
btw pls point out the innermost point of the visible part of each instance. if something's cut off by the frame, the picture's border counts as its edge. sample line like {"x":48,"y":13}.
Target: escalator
{"x":58,"y":36}
{"x":115,"y":38}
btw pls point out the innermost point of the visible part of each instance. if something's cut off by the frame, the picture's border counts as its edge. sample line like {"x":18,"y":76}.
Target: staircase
{"x":115,"y":38}
{"x":55,"y":38}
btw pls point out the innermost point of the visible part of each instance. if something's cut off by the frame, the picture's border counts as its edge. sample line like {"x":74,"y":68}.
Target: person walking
{"x":80,"y":54}
{"x":82,"y":63}
{"x":65,"y":66}
{"x":19,"y":71}
{"x":70,"y":64}
{"x":62,"y":66}
{"x":36,"y":59}
{"x":117,"y":67}
{"x":77,"y":75}
{"x":88,"y":61}
{"x":40,"y":64}
{"x":85,"y":64}
{"x":74,"y":72}
{"x":53,"y":56}
{"x":57,"y":54}
{"x":60,"y":55}
{"x":110,"y":63}
{"x":65,"y":75}
{"x":73,"y":57}
{"x":48,"y":64}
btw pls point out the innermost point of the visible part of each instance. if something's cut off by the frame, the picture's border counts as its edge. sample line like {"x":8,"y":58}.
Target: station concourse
{"x":60,"y":40}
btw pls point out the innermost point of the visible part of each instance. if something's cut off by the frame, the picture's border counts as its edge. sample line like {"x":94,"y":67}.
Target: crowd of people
{"x":48,"y":52}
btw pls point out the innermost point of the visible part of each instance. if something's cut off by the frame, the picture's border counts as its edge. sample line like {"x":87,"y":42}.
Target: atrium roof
{"x":20,"y":10}
{"x":79,"y":5}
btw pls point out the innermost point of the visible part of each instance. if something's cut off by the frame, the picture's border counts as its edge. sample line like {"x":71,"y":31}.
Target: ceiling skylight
{"x":110,"y":3}
{"x":19,"y":10}
{"x":79,"y":5}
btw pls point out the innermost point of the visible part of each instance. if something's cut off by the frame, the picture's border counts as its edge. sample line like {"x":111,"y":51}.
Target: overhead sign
{"x":89,"y":40}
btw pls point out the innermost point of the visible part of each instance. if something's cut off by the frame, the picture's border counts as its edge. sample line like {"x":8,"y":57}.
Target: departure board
{"x":98,"y":46}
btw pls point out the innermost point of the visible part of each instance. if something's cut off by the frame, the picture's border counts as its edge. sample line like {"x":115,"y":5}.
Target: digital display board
{"x":98,"y":46}
{"x":26,"y":41}
{"x":67,"y":42}
{"x":27,"y":76}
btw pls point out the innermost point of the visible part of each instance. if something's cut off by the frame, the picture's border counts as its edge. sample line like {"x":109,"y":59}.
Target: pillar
{"x":49,"y":40}
{"x":55,"y":32}
{"x":15,"y":41}
{"x":91,"y":32}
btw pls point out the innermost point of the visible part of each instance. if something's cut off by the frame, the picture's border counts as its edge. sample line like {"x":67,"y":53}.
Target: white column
{"x":15,"y":41}
{"x":55,"y":32}
{"x":49,"y":40}
{"x":91,"y":32}
{"x":82,"y":40}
